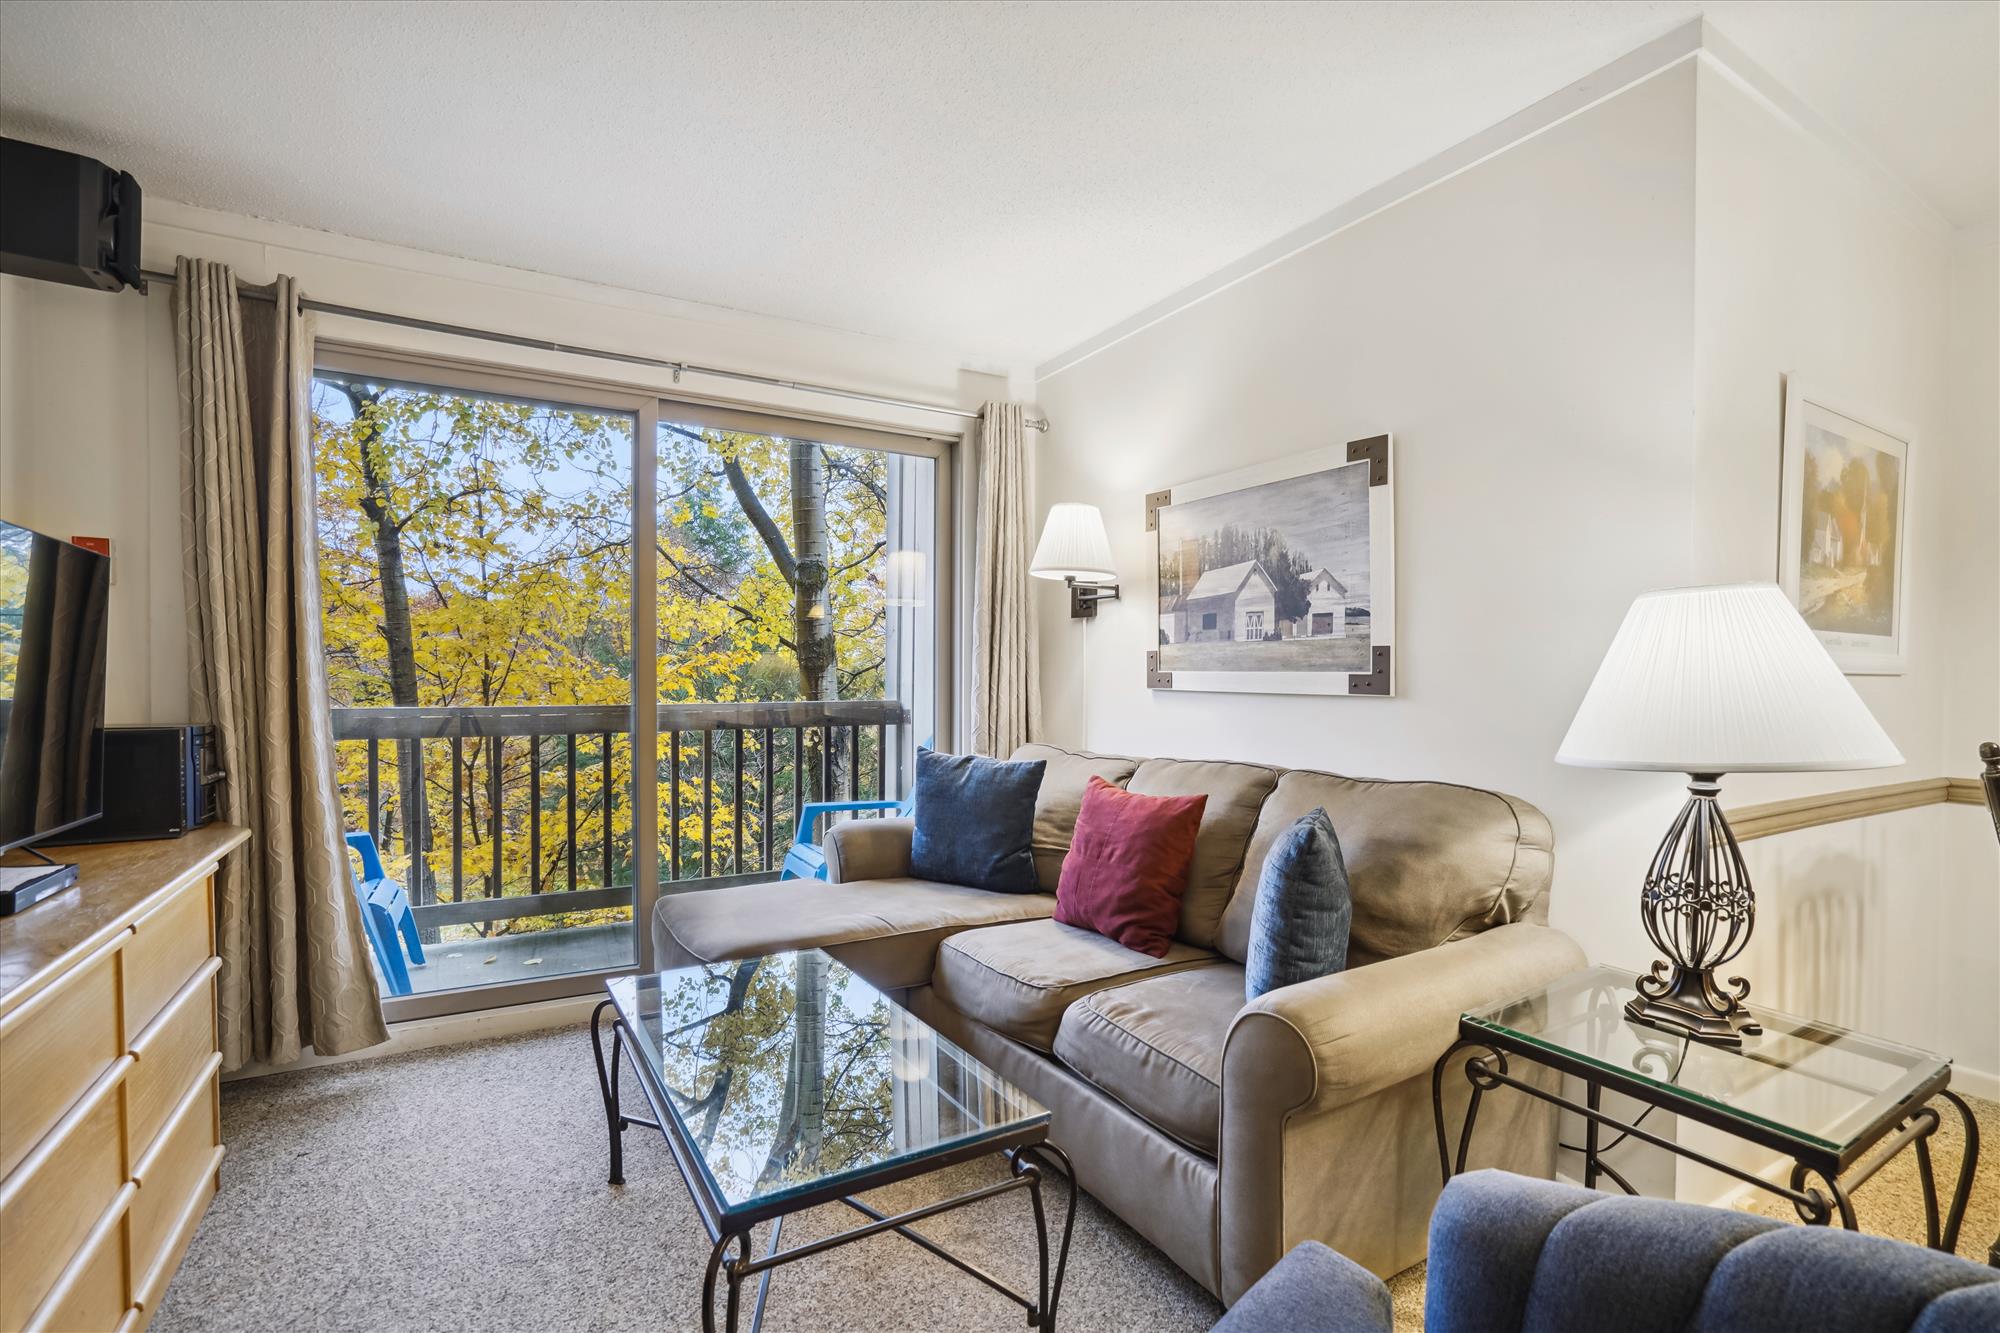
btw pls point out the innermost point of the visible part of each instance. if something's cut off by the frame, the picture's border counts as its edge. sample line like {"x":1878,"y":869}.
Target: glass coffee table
{"x":787,"y":1082}
{"x":1839,"y":1104}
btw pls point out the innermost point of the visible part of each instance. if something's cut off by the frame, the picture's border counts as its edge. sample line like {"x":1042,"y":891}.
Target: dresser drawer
{"x":167,"y":945}
{"x":175,"y":1046}
{"x":92,"y":1293}
{"x":180,"y":1163}
{"x":53,"y":1048}
{"x":149,"y":1289}
{"x":52,"y":1202}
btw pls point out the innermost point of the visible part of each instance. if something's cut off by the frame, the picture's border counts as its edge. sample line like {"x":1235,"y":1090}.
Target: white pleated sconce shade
{"x":1722,"y":680}
{"x":1074,"y":546}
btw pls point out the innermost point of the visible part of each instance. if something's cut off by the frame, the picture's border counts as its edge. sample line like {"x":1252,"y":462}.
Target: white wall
{"x":1804,"y":265}
{"x":87,"y":448}
{"x":88,"y":412}
{"x":1580,"y":345}
{"x":1525,"y":330}
{"x":1971,"y":537}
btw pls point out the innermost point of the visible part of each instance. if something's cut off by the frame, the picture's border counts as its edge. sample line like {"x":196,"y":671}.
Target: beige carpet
{"x":463,"y":1188}
{"x":1892,"y":1203}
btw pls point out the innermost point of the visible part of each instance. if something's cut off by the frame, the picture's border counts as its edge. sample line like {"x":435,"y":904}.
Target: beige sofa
{"x":1224,"y":1132}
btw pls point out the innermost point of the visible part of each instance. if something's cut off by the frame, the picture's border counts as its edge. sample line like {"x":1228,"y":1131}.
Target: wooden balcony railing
{"x":499,"y":813}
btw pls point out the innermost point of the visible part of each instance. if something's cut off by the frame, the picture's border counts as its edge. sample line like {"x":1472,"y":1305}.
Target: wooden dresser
{"x":110,"y":1127}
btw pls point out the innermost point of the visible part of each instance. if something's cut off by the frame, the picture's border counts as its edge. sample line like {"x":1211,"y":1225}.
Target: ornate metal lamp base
{"x":1691,"y":1003}
{"x":1699,"y":911}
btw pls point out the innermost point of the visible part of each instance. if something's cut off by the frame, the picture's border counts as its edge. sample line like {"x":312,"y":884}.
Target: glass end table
{"x":786,"y":1082}
{"x":1838,"y":1103}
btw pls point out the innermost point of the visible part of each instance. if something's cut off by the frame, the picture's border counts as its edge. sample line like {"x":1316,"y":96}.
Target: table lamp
{"x":1707,"y":681}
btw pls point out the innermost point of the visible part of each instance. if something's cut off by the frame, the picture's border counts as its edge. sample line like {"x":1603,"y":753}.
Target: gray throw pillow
{"x":1304,"y":909}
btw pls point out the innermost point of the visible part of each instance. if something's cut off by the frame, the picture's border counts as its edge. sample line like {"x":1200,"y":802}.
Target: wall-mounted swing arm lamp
{"x":1074,"y":549}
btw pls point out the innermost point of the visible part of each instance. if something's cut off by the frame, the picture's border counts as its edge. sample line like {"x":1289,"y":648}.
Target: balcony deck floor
{"x":456,"y":964}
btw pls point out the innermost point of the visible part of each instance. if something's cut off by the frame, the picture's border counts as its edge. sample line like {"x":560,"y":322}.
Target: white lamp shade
{"x":1074,"y":546}
{"x":1722,"y":680}
{"x":904,"y":580}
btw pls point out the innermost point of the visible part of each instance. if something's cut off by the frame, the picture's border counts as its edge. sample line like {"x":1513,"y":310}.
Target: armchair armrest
{"x":1313,"y":1290}
{"x":868,"y":849}
{"x":1354,"y":1033}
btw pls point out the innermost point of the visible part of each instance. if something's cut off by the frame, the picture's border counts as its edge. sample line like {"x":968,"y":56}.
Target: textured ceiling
{"x":1002,"y":179}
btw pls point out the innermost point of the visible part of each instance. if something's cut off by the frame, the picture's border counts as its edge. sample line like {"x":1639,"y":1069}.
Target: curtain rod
{"x":679,"y":368}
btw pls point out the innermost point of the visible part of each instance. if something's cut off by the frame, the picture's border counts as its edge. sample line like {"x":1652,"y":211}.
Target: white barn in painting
{"x":1326,"y":607}
{"x":1234,"y":603}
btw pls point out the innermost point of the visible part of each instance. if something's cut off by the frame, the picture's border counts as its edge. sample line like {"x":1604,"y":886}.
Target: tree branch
{"x":760,"y":519}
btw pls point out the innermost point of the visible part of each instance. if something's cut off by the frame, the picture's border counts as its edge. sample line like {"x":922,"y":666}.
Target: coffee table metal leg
{"x":1049,"y":1293}
{"x":764,"y":1278}
{"x":1069,"y":1225}
{"x":720,"y":1265}
{"x":1022,"y":1167}
{"x":607,"y":1086}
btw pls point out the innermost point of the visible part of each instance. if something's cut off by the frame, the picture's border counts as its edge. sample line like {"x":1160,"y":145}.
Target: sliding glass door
{"x":798,"y":646}
{"x":476,"y":577}
{"x":485,"y":650}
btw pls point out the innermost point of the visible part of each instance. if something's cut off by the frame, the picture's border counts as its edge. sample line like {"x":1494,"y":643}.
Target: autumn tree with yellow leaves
{"x":477,"y":551}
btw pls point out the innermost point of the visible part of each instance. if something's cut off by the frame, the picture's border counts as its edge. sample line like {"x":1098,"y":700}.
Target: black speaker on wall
{"x":67,"y":218}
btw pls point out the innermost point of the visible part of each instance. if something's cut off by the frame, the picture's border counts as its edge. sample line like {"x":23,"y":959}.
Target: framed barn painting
{"x":1279,"y":578}
{"x":1842,"y":540}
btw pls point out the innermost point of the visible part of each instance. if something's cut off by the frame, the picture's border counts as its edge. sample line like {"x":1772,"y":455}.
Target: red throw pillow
{"x":1128,"y":866}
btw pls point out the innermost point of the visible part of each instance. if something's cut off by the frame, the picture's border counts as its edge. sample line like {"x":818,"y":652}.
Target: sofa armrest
{"x":1327,"y":1131}
{"x":1355,"y":1033}
{"x":868,"y":849}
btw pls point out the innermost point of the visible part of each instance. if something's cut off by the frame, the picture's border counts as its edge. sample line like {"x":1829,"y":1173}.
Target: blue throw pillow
{"x":976,"y":821}
{"x":1304,"y":908}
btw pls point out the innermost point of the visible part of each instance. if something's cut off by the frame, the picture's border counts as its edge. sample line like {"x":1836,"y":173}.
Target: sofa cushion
{"x":975,"y":821}
{"x":1428,"y":862}
{"x":1067,"y":775}
{"x":1235,"y":794}
{"x":1019,"y":978}
{"x":1156,"y":1046}
{"x":886,"y":929}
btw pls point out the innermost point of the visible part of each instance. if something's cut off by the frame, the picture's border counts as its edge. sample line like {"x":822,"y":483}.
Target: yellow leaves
{"x":513,"y":521}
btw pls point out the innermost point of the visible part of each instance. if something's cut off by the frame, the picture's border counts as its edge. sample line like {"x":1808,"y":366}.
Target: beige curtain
{"x":295,"y":969}
{"x":1006,"y":670}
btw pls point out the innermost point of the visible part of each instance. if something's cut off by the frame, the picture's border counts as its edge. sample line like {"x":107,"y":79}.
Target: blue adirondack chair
{"x":385,"y":914}
{"x":806,"y":860}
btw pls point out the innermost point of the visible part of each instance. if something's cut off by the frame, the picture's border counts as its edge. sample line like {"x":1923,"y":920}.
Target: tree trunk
{"x":801,"y":1121}
{"x":812,"y":1055}
{"x":812,"y":611}
{"x":802,"y":1110}
{"x":812,"y":631}
{"x":398,"y":637}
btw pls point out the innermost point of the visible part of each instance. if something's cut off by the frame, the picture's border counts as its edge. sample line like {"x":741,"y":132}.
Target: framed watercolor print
{"x":1279,"y":578}
{"x":1843,"y":541}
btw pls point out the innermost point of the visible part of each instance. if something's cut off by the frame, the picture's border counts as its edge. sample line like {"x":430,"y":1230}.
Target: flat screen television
{"x":55,"y":601}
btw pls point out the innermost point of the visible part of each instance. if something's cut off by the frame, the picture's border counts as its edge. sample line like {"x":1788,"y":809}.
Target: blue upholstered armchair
{"x":1509,"y":1253}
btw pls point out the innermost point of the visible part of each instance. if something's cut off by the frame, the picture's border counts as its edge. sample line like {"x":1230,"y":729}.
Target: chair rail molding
{"x":1833,"y":807}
